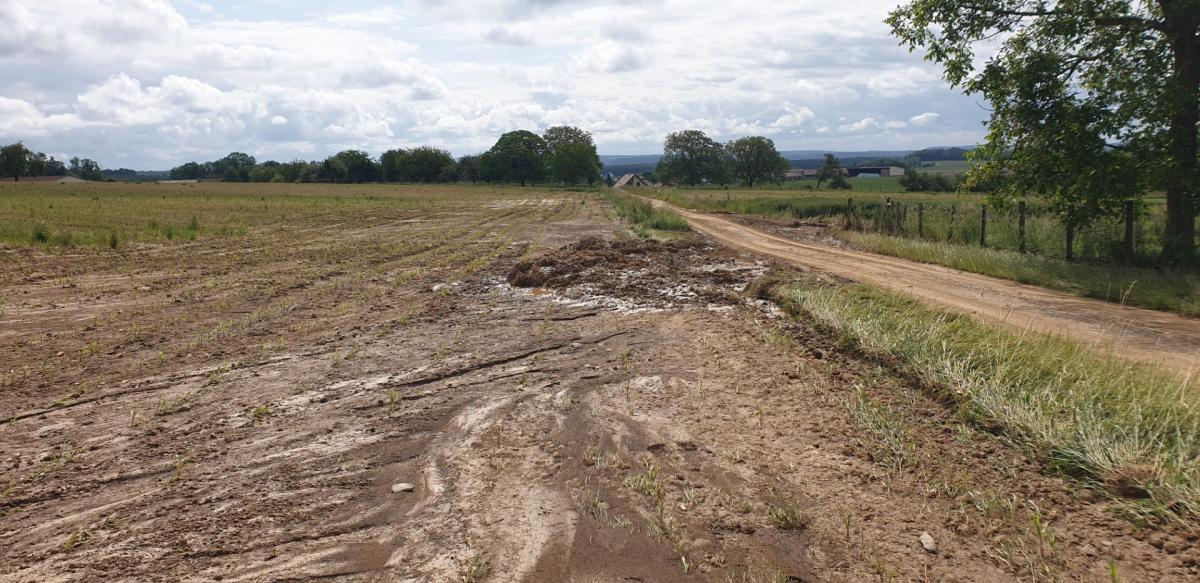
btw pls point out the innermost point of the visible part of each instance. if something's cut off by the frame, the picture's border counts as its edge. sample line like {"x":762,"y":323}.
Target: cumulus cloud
{"x":923,"y":119}
{"x":135,"y":82}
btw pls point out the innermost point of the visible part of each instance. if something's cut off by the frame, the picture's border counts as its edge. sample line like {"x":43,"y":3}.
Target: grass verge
{"x":1117,"y":426}
{"x":1174,"y":291}
{"x":642,"y":214}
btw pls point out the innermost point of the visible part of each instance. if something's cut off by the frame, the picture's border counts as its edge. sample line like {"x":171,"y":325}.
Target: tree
{"x":839,"y":182}
{"x":188,"y":171}
{"x":263,"y":173}
{"x":754,"y":159}
{"x":86,"y":168}
{"x":426,"y":164}
{"x":572,"y":156}
{"x":356,"y":166}
{"x":691,"y":157}
{"x":234,"y":167}
{"x":468,"y":168}
{"x":13,"y":159}
{"x":37,"y":164}
{"x":519,"y":156}
{"x":1093,"y":101}
{"x":389,"y":165}
{"x":830,"y":169}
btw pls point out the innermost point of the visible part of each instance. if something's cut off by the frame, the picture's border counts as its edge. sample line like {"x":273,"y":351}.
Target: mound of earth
{"x":649,"y":273}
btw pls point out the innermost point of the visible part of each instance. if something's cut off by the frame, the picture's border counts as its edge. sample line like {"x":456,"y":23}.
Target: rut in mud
{"x":602,"y":410}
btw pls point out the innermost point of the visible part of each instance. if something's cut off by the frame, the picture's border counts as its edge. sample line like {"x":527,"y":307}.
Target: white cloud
{"x":923,"y":119}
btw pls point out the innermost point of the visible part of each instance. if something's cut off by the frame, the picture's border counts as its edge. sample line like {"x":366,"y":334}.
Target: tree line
{"x":562,"y":154}
{"x":18,"y":161}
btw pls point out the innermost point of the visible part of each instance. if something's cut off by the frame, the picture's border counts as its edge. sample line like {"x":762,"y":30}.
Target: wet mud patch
{"x":637,"y":275}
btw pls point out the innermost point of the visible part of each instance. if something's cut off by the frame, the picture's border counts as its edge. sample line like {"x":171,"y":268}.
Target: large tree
{"x":691,"y":157}
{"x":358,"y":165}
{"x":571,"y":155}
{"x":754,"y":159}
{"x":86,"y":168}
{"x":13,"y":160}
{"x":518,"y":156}
{"x":427,"y":164}
{"x":1093,"y":101}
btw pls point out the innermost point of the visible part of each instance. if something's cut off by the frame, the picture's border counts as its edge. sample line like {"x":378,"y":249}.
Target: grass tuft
{"x":1123,"y":427}
{"x":642,"y":214}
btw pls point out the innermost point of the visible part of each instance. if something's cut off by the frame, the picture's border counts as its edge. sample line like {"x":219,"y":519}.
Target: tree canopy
{"x":754,"y":159}
{"x":831,"y":169}
{"x":13,"y":160}
{"x":1093,"y":101}
{"x":571,"y":155}
{"x":518,"y":156}
{"x":691,"y":157}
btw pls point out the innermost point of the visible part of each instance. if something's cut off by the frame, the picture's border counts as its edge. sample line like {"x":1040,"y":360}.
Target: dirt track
{"x":1158,"y":338}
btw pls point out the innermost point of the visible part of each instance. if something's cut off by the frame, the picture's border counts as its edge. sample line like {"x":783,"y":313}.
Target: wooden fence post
{"x":888,"y":220}
{"x":920,"y":220}
{"x":950,"y":229}
{"x":1021,"y":225}
{"x":983,"y":226}
{"x":1128,"y":246}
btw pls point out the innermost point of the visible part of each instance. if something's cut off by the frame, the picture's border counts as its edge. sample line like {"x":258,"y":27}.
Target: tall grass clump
{"x":643,"y":214}
{"x":1125,"y":428}
{"x":1157,"y":289}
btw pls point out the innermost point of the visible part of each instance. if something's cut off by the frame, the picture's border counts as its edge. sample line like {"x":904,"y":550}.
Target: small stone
{"x":1089,"y":550}
{"x":402,"y":487}
{"x":927,"y":542}
{"x":60,"y":353}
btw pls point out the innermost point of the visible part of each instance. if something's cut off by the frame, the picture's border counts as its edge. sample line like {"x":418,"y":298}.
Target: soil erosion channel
{"x":1155,"y":337}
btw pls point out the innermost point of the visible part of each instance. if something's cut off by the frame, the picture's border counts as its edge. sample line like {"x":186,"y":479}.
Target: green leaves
{"x":1092,"y":101}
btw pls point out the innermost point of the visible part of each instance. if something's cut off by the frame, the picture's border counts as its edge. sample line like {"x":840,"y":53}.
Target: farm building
{"x":805,"y":174}
{"x":632,"y":180}
{"x":60,"y":179}
{"x":882,"y":171}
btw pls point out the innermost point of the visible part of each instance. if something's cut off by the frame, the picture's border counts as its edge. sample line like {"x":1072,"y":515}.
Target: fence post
{"x":950,"y":229}
{"x":920,"y":220}
{"x":849,"y":213}
{"x":1128,"y":247}
{"x":1021,"y":225}
{"x":983,"y":226}
{"x":1070,"y":241}
{"x":888,"y":220}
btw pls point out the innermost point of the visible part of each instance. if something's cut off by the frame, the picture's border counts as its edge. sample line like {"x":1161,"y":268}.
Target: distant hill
{"x":642,"y":163}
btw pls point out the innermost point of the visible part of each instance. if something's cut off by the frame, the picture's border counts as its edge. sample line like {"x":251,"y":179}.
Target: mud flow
{"x":530,"y":397}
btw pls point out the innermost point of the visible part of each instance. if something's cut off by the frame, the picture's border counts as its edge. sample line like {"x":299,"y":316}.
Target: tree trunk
{"x":1182,"y":185}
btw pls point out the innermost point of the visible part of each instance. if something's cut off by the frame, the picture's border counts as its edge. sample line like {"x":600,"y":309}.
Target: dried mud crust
{"x":546,"y":438}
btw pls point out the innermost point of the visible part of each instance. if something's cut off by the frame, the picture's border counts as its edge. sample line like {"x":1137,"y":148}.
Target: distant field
{"x":117,"y":214}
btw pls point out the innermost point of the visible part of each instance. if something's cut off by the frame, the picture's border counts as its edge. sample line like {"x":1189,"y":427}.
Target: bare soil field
{"x":506,"y":388}
{"x":1158,"y":338}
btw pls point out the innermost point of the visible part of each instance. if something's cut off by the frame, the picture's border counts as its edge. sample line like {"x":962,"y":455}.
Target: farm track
{"x":635,"y":418}
{"x":1157,"y":338}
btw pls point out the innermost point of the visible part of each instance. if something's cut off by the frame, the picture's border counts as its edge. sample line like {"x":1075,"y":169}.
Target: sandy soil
{"x":1158,"y":338}
{"x":565,"y":408}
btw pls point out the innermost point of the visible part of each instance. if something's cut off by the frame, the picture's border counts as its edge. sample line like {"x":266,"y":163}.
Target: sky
{"x":149,"y":84}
